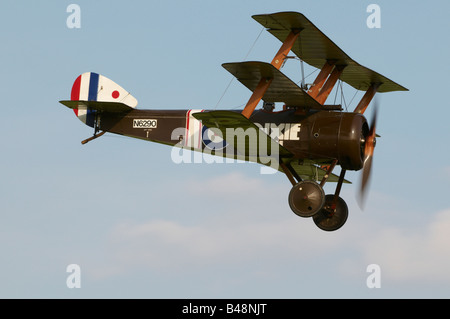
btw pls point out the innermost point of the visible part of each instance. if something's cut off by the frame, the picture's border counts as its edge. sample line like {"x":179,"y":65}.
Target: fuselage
{"x":318,"y":135}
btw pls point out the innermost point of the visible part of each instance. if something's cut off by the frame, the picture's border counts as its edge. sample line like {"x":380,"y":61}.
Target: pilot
{"x":268,"y":106}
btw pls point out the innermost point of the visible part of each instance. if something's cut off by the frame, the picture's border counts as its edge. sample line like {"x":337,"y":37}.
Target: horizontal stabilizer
{"x":113,"y":107}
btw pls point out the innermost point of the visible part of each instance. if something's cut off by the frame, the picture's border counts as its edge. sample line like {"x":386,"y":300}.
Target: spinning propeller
{"x":369,"y":146}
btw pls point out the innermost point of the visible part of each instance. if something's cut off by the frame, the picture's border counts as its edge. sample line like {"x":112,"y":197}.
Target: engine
{"x":339,"y":135}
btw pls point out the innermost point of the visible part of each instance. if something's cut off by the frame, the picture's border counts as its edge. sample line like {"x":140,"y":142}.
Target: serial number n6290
{"x":145,"y":123}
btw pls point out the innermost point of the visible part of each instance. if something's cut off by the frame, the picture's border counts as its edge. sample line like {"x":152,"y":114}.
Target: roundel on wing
{"x":212,"y":139}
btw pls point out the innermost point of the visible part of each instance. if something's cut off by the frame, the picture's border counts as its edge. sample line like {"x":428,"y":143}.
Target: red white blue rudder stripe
{"x":92,"y":86}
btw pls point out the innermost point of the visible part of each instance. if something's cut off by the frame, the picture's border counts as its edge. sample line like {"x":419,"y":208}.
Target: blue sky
{"x":140,"y":226}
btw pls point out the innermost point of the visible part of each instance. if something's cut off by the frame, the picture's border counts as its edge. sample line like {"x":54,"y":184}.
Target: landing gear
{"x":306,"y":198}
{"x":329,"y":218}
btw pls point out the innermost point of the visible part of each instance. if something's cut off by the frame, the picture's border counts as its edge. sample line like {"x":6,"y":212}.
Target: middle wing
{"x":282,"y":89}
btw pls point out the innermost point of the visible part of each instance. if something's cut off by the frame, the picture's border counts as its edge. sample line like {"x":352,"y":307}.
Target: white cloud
{"x":233,"y":183}
{"x":239,"y":233}
{"x":171,"y":246}
{"x":250,"y":223}
{"x":413,"y":255}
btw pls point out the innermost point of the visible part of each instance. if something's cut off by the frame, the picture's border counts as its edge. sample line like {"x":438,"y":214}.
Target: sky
{"x":139,"y":225}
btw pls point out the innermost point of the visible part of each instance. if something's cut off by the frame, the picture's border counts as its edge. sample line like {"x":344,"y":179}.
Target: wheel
{"x":328,"y":220}
{"x":306,"y":198}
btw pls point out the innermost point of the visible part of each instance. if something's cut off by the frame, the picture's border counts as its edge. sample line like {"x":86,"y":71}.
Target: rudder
{"x":92,"y":86}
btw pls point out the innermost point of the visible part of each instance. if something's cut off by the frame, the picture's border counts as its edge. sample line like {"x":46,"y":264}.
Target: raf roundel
{"x":115,"y":94}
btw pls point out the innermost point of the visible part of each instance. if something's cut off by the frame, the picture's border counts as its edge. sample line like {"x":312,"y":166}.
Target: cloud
{"x":403,"y":256}
{"x":263,"y":237}
{"x":247,"y":225}
{"x":164,"y":245}
{"x":413,"y":255}
{"x":230,"y":184}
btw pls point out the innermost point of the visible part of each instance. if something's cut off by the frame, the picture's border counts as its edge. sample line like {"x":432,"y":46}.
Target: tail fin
{"x":92,"y":92}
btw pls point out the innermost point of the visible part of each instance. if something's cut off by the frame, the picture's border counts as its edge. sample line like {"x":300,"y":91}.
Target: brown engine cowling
{"x":339,"y":135}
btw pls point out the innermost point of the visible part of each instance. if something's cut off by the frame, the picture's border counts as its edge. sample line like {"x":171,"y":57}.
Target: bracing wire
{"x":343,"y":97}
{"x":224,"y":92}
{"x":245,"y":58}
{"x":354,"y":95}
{"x":308,"y":75}
{"x":254,"y":43}
{"x":335,"y":93}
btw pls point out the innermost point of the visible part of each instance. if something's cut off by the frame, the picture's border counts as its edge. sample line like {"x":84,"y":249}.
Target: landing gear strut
{"x":307,"y":199}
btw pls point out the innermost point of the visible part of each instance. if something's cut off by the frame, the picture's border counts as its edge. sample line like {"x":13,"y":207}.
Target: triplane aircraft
{"x":305,"y":141}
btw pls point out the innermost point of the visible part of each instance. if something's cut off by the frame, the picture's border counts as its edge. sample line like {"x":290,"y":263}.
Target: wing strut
{"x":264,"y":83}
{"x":329,"y":84}
{"x":368,"y":96}
{"x":325,"y":81}
{"x":321,"y":78}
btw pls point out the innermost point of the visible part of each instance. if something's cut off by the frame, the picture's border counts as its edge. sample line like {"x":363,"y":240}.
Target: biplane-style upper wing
{"x":282,"y":89}
{"x":315,"y":48}
{"x":224,"y":120}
